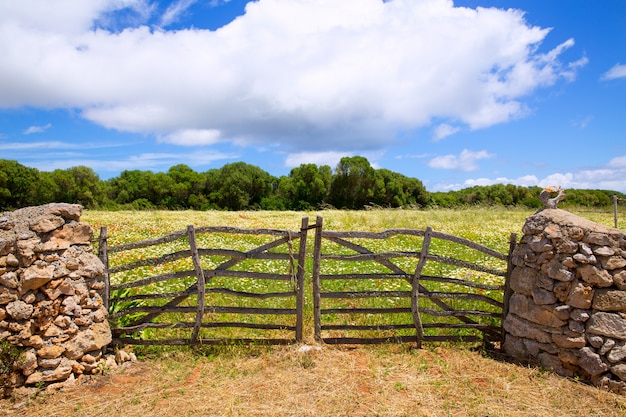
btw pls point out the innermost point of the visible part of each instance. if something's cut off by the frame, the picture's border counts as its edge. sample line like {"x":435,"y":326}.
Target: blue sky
{"x":456,"y":94}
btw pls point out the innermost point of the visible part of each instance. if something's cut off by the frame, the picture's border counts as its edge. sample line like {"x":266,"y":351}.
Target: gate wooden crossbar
{"x":133,"y":310}
{"x":339,"y":313}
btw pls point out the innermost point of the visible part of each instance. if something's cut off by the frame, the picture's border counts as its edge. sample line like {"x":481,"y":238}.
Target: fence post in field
{"x":104,"y":257}
{"x":415,"y":287}
{"x":304,"y":228}
{"x":317,"y":254}
{"x":615,"y":209}
{"x":191,"y":232}
{"x":507,"y":284}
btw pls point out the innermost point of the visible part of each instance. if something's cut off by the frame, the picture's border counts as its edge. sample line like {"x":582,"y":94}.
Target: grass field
{"x":129,"y":226}
{"x":384,"y":380}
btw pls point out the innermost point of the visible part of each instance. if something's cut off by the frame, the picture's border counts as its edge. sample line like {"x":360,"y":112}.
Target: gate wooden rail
{"x":141,"y":306}
{"x":416,"y":302}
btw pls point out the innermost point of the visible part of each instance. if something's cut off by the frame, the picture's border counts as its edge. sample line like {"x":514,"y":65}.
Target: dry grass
{"x":332,"y":381}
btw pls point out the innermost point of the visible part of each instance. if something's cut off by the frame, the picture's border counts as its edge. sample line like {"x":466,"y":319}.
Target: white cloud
{"x":15,"y":146}
{"x":175,"y":10}
{"x":444,"y":130}
{"x":465,"y":161}
{"x":192,"y":137}
{"x":618,"y":71}
{"x":307,"y":74}
{"x":146,"y":161}
{"x":610,"y":177}
{"x":37,"y":129}
{"x":317,"y":158}
{"x":20,"y":146}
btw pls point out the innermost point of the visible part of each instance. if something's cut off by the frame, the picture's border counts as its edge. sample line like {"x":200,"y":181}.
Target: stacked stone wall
{"x":567,"y":310}
{"x":50,"y":303}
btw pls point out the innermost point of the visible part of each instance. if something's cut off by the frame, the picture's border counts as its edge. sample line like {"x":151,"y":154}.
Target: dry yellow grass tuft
{"x":325,"y":381}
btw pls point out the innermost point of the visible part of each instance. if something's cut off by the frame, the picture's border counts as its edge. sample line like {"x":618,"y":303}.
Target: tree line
{"x":353,"y":184}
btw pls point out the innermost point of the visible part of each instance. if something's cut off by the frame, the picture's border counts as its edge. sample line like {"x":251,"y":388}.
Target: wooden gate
{"x":408,"y":289}
{"x":399,"y":285}
{"x":221,"y":294}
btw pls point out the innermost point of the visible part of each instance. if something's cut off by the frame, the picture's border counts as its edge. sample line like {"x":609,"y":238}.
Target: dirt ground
{"x":322,"y":381}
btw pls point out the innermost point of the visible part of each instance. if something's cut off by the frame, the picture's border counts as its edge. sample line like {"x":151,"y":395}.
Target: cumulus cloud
{"x":306,"y":74}
{"x":317,"y":158}
{"x":618,"y":71}
{"x":466,"y":161}
{"x":192,"y":137}
{"x":609,"y":177}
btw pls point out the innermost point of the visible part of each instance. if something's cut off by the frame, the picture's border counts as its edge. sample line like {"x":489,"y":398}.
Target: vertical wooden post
{"x":507,"y":286}
{"x":191,"y":232}
{"x":317,"y":255}
{"x":104,"y":257}
{"x":415,"y":287}
{"x":300,"y":279}
{"x":615,"y":209}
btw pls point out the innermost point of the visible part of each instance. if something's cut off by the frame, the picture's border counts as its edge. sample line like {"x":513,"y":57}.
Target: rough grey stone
{"x":543,"y":297}
{"x":603,"y":251}
{"x":595,"y":340}
{"x":618,"y":353}
{"x":19,"y":310}
{"x":613,"y":262}
{"x":580,"y":315}
{"x":609,"y":300}
{"x":580,"y":296}
{"x":591,"y":362}
{"x":619,"y":370}
{"x":607,"y":324}
{"x":519,"y":327}
{"x":540,"y":244}
{"x":596,"y":276}
{"x":523,"y":307}
{"x":568,"y":342}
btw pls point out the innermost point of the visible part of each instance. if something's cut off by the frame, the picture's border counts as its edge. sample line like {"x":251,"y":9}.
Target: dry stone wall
{"x":567,"y":310}
{"x":50,"y":303}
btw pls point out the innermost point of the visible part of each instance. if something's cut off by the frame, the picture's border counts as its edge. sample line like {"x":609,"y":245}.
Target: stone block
{"x":607,"y":324}
{"x":568,"y":342}
{"x":523,"y":280}
{"x":580,"y":296}
{"x":619,"y":370}
{"x":36,"y":276}
{"x":591,"y":362}
{"x":523,"y":307}
{"x":609,"y":300}
{"x":522,"y":328}
{"x":543,"y":297}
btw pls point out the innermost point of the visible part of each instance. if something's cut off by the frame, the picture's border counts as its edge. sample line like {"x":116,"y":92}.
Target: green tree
{"x":239,"y":186}
{"x":78,"y":185}
{"x":307,"y":186}
{"x":396,"y":190}
{"x":353,"y":185}
{"x":185,"y":182}
{"x":21,"y":186}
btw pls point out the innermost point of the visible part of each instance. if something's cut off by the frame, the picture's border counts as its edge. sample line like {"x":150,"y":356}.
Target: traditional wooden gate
{"x":192,"y":295}
{"x":400,"y":285}
{"x":413,"y":293}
